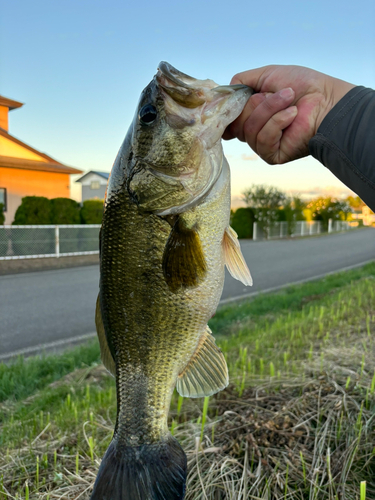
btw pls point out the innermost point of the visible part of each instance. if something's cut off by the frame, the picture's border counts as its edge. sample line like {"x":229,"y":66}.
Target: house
{"x":94,"y":185}
{"x":24,"y":171}
{"x":366,"y":215}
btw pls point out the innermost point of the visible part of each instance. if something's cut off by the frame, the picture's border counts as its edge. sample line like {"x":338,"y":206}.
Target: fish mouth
{"x":171,"y":81}
{"x":191,"y":92}
{"x":185,"y":90}
{"x":174,"y":75}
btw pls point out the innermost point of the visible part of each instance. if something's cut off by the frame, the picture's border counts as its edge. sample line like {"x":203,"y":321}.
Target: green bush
{"x":2,"y":216}
{"x":242,"y":222}
{"x":33,"y":210}
{"x":92,"y":212}
{"x":65,"y":211}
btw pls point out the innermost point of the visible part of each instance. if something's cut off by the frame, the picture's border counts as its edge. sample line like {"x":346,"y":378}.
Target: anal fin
{"x":234,"y":259}
{"x":105,"y":353}
{"x":207,"y":371}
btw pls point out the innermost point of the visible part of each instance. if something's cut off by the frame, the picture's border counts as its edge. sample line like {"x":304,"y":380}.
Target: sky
{"x":80,"y":65}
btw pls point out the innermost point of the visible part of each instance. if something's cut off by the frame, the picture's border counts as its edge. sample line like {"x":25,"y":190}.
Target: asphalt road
{"x":55,"y":306}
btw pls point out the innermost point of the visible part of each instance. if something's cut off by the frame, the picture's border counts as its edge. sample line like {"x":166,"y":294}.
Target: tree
{"x":355,"y":202}
{"x":291,"y":212}
{"x":264,"y":197}
{"x":298,"y":206}
{"x":325,"y":208}
{"x":265,"y":201}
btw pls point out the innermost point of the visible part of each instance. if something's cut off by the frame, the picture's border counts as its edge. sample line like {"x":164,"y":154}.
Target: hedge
{"x":242,"y":222}
{"x":38,"y":210}
{"x":92,"y":212}
{"x":33,"y":210}
{"x":65,"y":211}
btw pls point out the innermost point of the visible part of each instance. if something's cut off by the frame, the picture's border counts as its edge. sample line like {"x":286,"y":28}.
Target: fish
{"x":164,"y":242}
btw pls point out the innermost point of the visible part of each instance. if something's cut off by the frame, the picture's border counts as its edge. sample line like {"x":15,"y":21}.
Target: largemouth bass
{"x":165,"y":239}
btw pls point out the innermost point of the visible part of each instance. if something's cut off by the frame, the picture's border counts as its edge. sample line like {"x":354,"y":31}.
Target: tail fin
{"x":147,"y":472}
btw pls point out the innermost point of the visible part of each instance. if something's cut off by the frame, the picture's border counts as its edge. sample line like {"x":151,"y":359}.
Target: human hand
{"x":285,"y":112}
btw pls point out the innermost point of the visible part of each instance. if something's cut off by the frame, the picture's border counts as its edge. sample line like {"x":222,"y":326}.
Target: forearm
{"x":345,"y":142}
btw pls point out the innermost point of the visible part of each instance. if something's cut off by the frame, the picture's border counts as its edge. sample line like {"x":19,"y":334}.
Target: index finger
{"x":253,"y":78}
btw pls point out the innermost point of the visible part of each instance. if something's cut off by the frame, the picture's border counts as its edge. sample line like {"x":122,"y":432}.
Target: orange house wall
{"x":20,"y":183}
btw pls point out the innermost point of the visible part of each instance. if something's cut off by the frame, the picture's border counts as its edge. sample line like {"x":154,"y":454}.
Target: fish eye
{"x":148,"y":114}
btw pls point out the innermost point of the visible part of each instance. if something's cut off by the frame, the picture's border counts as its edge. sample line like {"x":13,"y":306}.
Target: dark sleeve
{"x":345,"y":142}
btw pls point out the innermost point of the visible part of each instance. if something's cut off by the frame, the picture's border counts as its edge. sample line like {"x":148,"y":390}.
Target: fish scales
{"x":133,"y":275}
{"x":162,"y":257}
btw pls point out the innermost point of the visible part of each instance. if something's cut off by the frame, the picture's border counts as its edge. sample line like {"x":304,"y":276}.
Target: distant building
{"x":366,"y":215}
{"x":94,"y":184}
{"x":24,"y":171}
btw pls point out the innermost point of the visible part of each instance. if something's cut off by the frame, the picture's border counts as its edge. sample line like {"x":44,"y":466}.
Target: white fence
{"x":299,"y":228}
{"x":31,"y":242}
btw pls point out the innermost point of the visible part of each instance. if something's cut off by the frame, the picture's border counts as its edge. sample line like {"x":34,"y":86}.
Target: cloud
{"x":253,"y":157}
{"x":315,"y":192}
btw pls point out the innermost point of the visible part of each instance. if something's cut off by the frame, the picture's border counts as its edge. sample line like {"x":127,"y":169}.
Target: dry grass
{"x":282,"y":439}
{"x":302,"y":441}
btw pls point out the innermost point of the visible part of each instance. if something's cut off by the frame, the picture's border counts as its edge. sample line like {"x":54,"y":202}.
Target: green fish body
{"x":165,"y":240}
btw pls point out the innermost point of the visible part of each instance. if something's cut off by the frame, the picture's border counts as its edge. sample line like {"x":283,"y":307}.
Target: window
{"x":95,"y":185}
{"x":3,"y":198}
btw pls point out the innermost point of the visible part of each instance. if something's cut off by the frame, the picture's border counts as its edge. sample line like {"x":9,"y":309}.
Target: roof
{"x":50,"y":165}
{"x":11,"y":162}
{"x":105,"y":175}
{"x":10,"y":103}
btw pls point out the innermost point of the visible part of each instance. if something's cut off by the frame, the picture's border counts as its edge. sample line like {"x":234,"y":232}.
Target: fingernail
{"x":293,"y":110}
{"x":286,"y":93}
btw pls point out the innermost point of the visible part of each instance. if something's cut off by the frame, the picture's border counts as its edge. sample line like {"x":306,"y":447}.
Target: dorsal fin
{"x":184,"y":264}
{"x":234,"y":259}
{"x":105,"y":353}
{"x":207,"y":371}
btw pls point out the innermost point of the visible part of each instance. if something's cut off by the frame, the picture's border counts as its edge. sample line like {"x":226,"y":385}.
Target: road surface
{"x":55,"y":306}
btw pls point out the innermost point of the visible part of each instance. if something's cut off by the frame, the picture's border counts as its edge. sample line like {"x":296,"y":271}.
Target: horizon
{"x":332,"y":192}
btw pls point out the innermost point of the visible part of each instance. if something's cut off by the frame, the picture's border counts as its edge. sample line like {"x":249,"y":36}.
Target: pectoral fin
{"x":234,"y":259}
{"x":105,"y":353}
{"x":184,"y":264}
{"x":207,"y":371}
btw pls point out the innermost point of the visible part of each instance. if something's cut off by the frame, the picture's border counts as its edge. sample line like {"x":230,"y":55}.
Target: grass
{"x":27,"y":375}
{"x":289,"y":300}
{"x":297,"y":421}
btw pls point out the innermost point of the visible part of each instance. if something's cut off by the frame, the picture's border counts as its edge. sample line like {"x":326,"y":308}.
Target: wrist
{"x":334,"y":91}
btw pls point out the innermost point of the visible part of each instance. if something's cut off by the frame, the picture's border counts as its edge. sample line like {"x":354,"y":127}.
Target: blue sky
{"x":79,"y":66}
